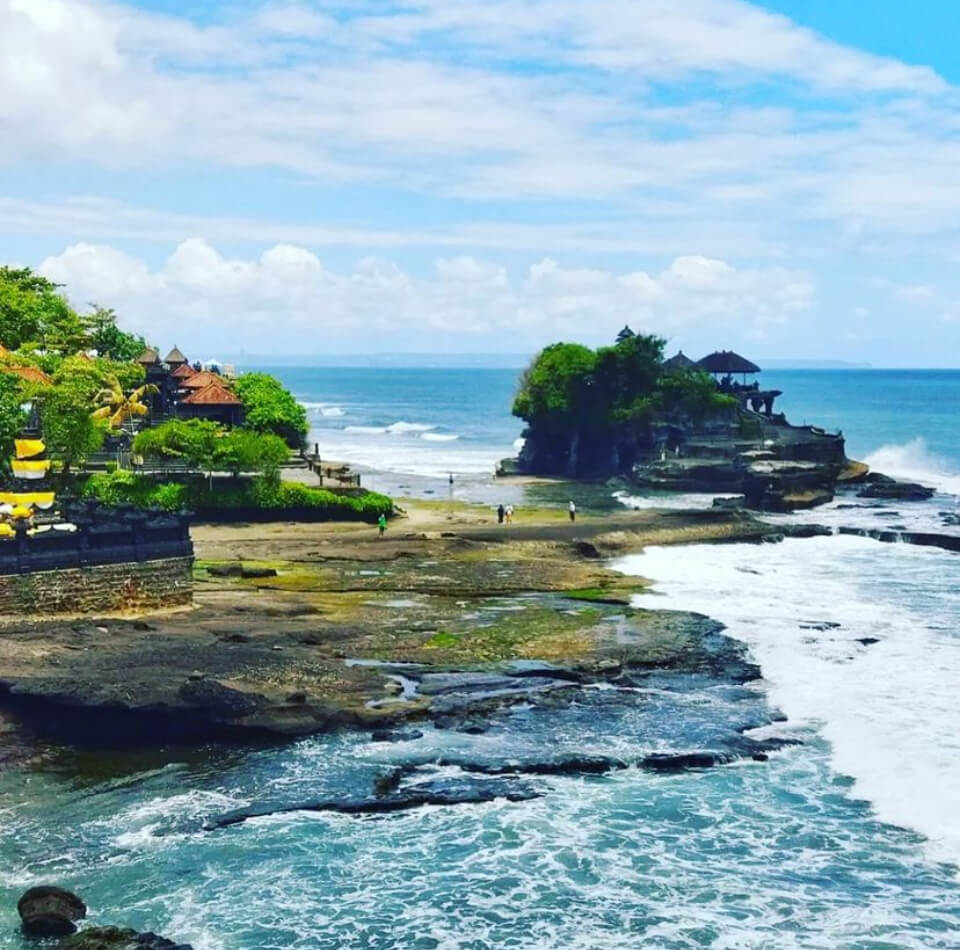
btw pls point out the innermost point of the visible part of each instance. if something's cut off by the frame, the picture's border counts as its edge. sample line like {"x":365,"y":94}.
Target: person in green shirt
{"x":382,"y":524}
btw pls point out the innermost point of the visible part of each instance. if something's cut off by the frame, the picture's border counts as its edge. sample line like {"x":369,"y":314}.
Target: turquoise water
{"x":849,"y":840}
{"x":430,"y":422}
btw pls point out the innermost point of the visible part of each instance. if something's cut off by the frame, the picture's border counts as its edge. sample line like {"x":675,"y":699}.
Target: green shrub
{"x":262,"y":495}
{"x":269,"y":407}
{"x":110,"y":466}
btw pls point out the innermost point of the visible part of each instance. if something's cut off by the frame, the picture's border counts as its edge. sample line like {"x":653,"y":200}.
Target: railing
{"x":103,"y":536}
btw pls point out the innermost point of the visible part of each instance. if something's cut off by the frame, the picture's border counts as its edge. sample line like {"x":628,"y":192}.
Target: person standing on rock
{"x":382,"y":524}
{"x":501,"y":512}
{"x":509,"y":514}
{"x":573,"y":511}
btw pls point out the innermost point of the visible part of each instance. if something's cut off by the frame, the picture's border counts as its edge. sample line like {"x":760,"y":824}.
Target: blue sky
{"x":300,"y":177}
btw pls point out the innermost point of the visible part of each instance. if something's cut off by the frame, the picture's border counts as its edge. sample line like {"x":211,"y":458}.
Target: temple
{"x":725,"y":366}
{"x":189,"y":392}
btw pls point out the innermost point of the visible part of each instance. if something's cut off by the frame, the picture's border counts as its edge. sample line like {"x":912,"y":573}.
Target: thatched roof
{"x":678,"y":363}
{"x":175,"y":357}
{"x":726,"y":361}
{"x":149,"y":356}
{"x":216,"y":394}
{"x":201,"y":380}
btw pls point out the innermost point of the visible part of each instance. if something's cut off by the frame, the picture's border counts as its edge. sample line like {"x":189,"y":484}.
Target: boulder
{"x":882,"y":486}
{"x":118,"y":938}
{"x":50,"y":912}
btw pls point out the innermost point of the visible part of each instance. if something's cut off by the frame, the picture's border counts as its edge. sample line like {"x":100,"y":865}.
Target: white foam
{"x":683,"y":500}
{"x":914,"y":461}
{"x":439,"y":437}
{"x":888,"y":709}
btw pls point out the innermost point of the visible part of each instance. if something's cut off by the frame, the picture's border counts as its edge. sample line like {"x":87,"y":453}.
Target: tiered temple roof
{"x":184,"y":371}
{"x":213,"y":394}
{"x":175,"y":358}
{"x":201,"y":380}
{"x":148,"y":357}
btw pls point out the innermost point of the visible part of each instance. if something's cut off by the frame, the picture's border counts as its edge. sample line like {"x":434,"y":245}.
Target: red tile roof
{"x":184,"y":371}
{"x":200,"y":380}
{"x":215,"y":394}
{"x":30,"y":373}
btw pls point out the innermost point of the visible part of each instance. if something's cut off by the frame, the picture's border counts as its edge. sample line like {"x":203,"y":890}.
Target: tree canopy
{"x":569,"y":386}
{"x":208,"y":447}
{"x":271,"y":408}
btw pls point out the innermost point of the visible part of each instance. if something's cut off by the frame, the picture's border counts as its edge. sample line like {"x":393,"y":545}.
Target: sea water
{"x":848,"y":840}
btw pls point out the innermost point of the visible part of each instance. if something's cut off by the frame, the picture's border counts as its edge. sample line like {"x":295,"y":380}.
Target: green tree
{"x":270,"y":407}
{"x":108,"y":339}
{"x":194,"y":441}
{"x":66,"y":411}
{"x":33,"y":312}
{"x":556,"y":390}
{"x":241,"y":450}
{"x":12,"y":416}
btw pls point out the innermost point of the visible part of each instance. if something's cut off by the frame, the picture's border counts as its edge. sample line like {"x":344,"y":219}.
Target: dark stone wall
{"x":97,"y":588}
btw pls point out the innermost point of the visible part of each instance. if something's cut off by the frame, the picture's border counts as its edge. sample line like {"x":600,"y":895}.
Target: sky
{"x":307,"y":177}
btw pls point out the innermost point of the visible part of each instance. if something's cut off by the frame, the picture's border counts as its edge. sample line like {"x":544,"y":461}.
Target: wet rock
{"x":445,"y":791}
{"x":218,"y":699}
{"x":806,"y":531}
{"x":50,"y":911}
{"x":587,"y":550}
{"x":395,"y":735}
{"x":472,"y":728}
{"x":868,"y":641}
{"x":882,"y":486}
{"x":732,"y":503}
{"x":255,"y":572}
{"x":297,"y":699}
{"x":565,"y":765}
{"x":118,"y":938}
{"x":684,"y":761}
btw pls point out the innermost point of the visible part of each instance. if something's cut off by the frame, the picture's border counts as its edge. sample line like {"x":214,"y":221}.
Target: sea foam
{"x":856,"y":639}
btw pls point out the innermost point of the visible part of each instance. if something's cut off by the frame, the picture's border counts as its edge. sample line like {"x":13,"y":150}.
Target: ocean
{"x":850,"y":839}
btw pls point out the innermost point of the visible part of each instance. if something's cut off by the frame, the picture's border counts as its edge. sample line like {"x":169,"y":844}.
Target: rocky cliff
{"x":774,"y":465}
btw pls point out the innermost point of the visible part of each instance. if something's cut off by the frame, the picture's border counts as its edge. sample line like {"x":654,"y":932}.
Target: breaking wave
{"x":915,"y":461}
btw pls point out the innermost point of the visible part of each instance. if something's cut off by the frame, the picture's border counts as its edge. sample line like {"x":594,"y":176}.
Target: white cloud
{"x":286,"y":300}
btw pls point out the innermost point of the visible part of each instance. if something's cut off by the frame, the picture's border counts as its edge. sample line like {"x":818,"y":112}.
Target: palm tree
{"x":117,"y":407}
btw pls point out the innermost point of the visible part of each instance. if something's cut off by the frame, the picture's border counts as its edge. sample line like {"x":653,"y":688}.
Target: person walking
{"x":573,"y":511}
{"x":509,"y":514}
{"x":381,"y":525}
{"x":501,"y":512}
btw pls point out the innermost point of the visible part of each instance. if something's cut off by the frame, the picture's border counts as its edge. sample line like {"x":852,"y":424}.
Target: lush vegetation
{"x":270,"y":408}
{"x":209,"y":447}
{"x":578,"y":402}
{"x":36,"y":318}
{"x":263,"y":494}
{"x":79,"y":375}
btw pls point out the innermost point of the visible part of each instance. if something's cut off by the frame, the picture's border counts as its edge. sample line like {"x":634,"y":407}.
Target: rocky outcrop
{"x":883,"y":486}
{"x":50,"y":911}
{"x":773,"y":465}
{"x":390,"y":798}
{"x":118,"y":938}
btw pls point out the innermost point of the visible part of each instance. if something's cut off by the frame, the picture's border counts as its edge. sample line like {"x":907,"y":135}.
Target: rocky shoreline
{"x":346,"y":631}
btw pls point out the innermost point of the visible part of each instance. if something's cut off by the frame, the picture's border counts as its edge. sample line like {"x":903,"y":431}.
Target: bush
{"x":249,"y":498}
{"x":269,"y":407}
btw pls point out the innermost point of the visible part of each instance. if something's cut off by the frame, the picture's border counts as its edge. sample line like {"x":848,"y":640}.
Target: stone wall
{"x":103,"y":587}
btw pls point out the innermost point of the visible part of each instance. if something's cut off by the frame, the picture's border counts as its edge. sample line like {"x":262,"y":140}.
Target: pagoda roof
{"x":200,"y":380}
{"x":726,"y":361}
{"x":215,"y":394}
{"x":679,"y":361}
{"x":175,"y":356}
{"x":149,"y":355}
{"x":184,"y":371}
{"x":30,"y":373}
